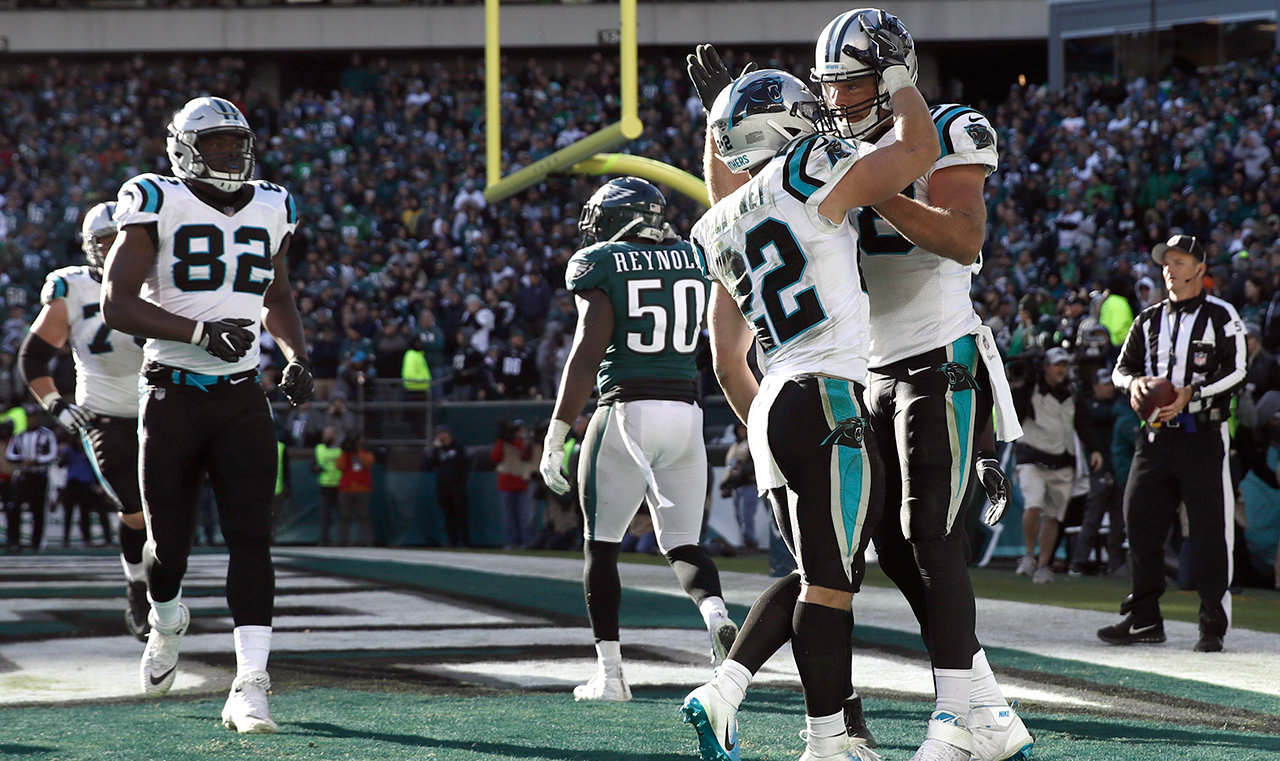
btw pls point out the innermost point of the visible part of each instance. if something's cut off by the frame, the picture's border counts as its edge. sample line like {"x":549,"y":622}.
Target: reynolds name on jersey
{"x":107,"y":361}
{"x":210,"y":263}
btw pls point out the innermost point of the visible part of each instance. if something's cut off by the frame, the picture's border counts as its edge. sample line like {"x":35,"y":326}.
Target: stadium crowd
{"x":398,"y":251}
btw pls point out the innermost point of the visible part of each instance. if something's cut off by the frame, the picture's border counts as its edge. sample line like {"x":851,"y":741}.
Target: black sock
{"x":696,"y":571}
{"x":820,"y":643}
{"x":131,"y":541}
{"x":768,"y":625}
{"x":603,"y":588}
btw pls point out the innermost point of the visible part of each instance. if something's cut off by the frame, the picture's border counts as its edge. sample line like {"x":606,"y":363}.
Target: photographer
{"x":1099,"y":411}
{"x":739,"y":483}
{"x":513,"y":456}
{"x":1046,"y":453}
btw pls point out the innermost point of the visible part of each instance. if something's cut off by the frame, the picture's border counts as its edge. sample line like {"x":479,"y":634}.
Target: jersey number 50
{"x":677,"y":325}
{"x":199,"y":249}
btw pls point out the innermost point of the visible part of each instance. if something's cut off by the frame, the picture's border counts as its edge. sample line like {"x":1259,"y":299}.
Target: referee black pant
{"x":1173,"y":466}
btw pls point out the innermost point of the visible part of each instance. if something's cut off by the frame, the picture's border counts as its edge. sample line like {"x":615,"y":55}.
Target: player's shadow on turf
{"x":11,"y":749}
{"x":1161,"y":735}
{"x":497,"y":749}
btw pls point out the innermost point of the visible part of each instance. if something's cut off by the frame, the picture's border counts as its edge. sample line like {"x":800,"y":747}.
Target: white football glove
{"x":70,"y":416}
{"x":553,"y":457}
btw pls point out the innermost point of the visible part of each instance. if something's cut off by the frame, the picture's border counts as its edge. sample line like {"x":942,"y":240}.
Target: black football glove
{"x":996,"y":485}
{"x":296,"y":382}
{"x":889,"y":41}
{"x":228,"y":340}
{"x":709,"y":74}
{"x":70,"y":416}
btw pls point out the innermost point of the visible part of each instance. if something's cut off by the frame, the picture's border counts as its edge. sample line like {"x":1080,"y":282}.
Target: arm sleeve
{"x":34,"y":355}
{"x":11,"y":451}
{"x":1130,"y":365}
{"x":1231,"y":351}
{"x":46,"y":447}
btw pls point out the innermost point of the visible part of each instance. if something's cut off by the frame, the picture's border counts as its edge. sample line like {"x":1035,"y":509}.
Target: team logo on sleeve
{"x":981,"y":136}
{"x":581,"y":269}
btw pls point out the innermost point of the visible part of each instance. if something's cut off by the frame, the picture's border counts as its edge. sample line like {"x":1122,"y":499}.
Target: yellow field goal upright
{"x":590,"y":155}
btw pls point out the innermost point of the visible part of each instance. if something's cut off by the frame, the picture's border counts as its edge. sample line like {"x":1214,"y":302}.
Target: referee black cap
{"x":1186,"y":243}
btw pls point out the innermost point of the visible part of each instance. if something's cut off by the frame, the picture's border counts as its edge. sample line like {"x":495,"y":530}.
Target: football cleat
{"x":1209,"y":643}
{"x":160,"y":658}
{"x":716,"y":722}
{"x":135,"y":616}
{"x":947,"y":739}
{"x":612,"y":689}
{"x":855,"y":722}
{"x":723,"y":634}
{"x":999,"y":734}
{"x":246,"y":709}
{"x":1127,"y":632}
{"x":843,"y":748}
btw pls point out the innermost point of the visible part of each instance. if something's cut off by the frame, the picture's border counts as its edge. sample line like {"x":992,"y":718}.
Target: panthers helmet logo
{"x":849,"y":432}
{"x":958,"y":377}
{"x":759,"y":96}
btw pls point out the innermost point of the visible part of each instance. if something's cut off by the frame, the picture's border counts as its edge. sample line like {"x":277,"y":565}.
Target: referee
{"x":1197,"y":342}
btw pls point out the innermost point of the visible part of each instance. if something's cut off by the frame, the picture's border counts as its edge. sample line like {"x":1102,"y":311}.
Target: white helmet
{"x":200,"y":118}
{"x":99,"y":222}
{"x":759,"y":114}
{"x":834,"y":61}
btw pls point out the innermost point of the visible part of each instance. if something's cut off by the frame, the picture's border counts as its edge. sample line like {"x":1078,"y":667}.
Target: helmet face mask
{"x":834,"y":61}
{"x":754,"y":118}
{"x":99,"y":223}
{"x":204,"y":123}
{"x":624,"y":207}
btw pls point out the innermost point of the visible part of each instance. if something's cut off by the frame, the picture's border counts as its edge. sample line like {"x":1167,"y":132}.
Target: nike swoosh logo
{"x":974,"y":118}
{"x":918,"y":370}
{"x":234,"y":381}
{"x":164,"y":676}
{"x":1134,"y":630}
{"x":728,"y":743}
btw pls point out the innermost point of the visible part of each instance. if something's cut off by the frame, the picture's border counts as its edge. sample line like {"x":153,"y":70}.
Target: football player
{"x":105,"y":412}
{"x":778,"y":251}
{"x":197,"y":268}
{"x":935,"y":376}
{"x":641,"y":302}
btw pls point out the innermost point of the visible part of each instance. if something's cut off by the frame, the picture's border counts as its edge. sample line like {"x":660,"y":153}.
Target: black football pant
{"x":1172,"y":467}
{"x":927,"y":412}
{"x":225,"y":429}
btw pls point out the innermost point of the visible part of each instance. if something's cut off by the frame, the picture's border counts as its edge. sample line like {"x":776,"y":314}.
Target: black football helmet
{"x":624,"y":207}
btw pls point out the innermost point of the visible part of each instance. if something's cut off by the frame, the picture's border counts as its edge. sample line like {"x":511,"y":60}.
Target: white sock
{"x":169,"y":613}
{"x":853,"y":694}
{"x":952,"y":686}
{"x":133,"y":571}
{"x":825,"y":732}
{"x":983,"y":690}
{"x":713,"y":611}
{"x":253,"y":647}
{"x":610,"y":653}
{"x":732,"y":679}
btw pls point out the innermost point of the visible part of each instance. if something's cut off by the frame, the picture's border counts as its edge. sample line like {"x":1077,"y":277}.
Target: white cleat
{"x":246,"y":710}
{"x":844,"y":748}
{"x":716,"y":721}
{"x":947,"y":739}
{"x":999,"y":734}
{"x":723,"y":634}
{"x":604,"y":687}
{"x":160,"y":658}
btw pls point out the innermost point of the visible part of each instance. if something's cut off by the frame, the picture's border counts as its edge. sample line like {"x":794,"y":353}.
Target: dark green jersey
{"x":659,"y":298}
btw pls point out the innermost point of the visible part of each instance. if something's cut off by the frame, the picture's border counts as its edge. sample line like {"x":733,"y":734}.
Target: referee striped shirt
{"x":1197,"y":343}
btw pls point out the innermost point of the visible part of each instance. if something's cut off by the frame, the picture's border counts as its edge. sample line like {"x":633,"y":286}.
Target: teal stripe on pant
{"x":852,"y":486}
{"x":964,"y":352}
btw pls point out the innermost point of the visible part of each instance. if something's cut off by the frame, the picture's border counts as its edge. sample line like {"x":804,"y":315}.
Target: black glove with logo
{"x":70,"y":416}
{"x":296,"y":381}
{"x":709,"y":74}
{"x":228,"y":340}
{"x":996,"y":485}
{"x":889,"y":41}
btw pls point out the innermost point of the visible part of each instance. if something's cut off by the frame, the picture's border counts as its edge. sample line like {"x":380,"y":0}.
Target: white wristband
{"x":49,"y":398}
{"x":895,"y":78}
{"x":556,"y":433}
{"x":198,"y":333}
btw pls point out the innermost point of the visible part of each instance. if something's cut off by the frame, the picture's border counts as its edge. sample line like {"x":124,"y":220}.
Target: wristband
{"x":556,"y":433}
{"x":198,"y":334}
{"x":49,"y":398}
{"x":895,"y":78}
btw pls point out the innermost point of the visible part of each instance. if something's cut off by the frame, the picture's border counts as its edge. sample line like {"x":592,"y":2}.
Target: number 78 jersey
{"x":793,"y":273}
{"x":209,"y":265}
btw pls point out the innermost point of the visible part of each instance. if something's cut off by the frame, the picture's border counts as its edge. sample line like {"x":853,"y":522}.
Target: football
{"x":1160,"y":393}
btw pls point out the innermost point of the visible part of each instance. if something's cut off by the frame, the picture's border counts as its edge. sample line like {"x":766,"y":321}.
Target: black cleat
{"x":855,"y":722}
{"x":135,"y":616}
{"x":1127,"y":632}
{"x":1209,"y":643}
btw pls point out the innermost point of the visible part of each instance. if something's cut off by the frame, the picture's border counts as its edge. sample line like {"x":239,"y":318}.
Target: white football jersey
{"x":107,"y":361}
{"x":792,"y":271}
{"x":210,"y":264}
{"x":919,"y":300}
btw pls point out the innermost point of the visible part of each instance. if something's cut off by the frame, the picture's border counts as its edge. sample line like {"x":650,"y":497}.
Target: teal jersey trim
{"x":943,"y":122}
{"x":843,"y":407}
{"x":964,"y":351}
{"x":797,"y":178}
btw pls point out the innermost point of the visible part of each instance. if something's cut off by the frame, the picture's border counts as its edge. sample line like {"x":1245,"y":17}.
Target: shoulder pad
{"x":813,"y":162}
{"x":963,"y":130}
{"x":588,"y":269}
